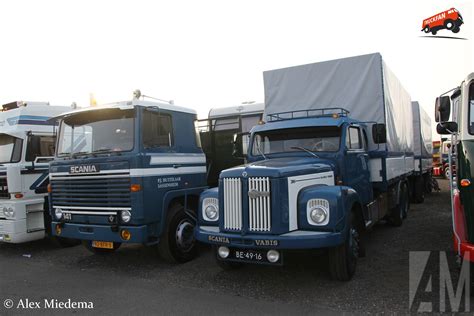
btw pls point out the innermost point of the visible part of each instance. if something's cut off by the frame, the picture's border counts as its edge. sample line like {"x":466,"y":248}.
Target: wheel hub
{"x":185,"y":235}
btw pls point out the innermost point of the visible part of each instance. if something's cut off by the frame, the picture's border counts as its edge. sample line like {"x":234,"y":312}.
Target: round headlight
{"x":126,"y":216}
{"x":319,"y":215}
{"x":212,"y":213}
{"x":5,"y":211}
{"x":11,"y":211}
{"x":223,"y":252}
{"x":58,"y":213}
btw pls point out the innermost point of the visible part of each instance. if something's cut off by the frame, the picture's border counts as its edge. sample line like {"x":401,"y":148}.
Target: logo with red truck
{"x":450,"y":20}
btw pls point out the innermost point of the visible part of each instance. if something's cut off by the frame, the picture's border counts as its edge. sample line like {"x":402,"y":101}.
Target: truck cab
{"x":27,"y":143}
{"x":454,"y":112}
{"x":128,"y":172}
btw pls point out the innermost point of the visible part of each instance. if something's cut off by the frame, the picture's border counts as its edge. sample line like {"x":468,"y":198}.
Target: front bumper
{"x":26,"y":225}
{"x":298,"y":239}
{"x":139,"y":234}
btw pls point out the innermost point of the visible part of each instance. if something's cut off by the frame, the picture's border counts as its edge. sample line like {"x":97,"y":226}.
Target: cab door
{"x":357,"y":174}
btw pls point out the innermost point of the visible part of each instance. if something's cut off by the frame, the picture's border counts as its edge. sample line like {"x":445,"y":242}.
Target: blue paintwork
{"x":350,"y":167}
{"x":148,"y":206}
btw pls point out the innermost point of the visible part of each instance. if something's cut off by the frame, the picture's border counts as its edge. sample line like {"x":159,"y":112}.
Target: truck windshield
{"x":100,"y":131}
{"x":10,"y":149}
{"x":314,"y":139}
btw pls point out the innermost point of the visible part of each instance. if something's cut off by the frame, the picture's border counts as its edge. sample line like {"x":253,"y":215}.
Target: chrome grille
{"x":259,"y":204}
{"x":232,"y":204}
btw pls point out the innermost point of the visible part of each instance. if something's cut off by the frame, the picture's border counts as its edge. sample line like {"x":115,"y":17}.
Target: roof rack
{"x":327,"y":112}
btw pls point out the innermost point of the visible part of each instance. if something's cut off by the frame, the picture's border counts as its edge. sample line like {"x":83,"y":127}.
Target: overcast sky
{"x":205,"y":54}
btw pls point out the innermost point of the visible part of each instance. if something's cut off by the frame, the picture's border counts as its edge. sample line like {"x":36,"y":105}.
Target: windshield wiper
{"x":74,"y":155}
{"x":105,"y":151}
{"x":260,"y":152}
{"x":306,"y":150}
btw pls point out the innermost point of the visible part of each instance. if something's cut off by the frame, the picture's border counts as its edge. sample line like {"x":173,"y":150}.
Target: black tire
{"x":343,"y":258}
{"x":446,"y":173}
{"x":65,"y":242}
{"x":100,"y":251}
{"x":400,"y":212}
{"x":456,"y":29}
{"x":428,"y":183}
{"x":449,"y":24}
{"x":226,"y":265}
{"x":177,"y":244}
{"x":426,"y":29}
{"x":419,"y":190}
{"x":434,"y":32}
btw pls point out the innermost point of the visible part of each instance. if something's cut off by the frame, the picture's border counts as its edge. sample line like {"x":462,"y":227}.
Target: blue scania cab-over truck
{"x":332,"y":159}
{"x":128,"y":172}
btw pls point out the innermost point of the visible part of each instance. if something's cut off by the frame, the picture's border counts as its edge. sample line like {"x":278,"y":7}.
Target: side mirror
{"x":442,"y":109}
{"x":240,"y":145}
{"x":443,"y":139}
{"x":447,"y":128}
{"x":379,"y":133}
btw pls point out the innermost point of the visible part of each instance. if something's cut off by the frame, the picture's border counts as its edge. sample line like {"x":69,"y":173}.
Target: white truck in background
{"x":27,"y":144}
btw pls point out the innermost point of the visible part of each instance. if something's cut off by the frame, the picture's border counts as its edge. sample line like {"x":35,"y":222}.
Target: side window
{"x":197,"y":134}
{"x":353,"y":140}
{"x":39,"y":146}
{"x":366,"y":140}
{"x":157,"y":130}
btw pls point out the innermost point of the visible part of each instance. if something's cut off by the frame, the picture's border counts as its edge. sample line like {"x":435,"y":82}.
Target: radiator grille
{"x":259,"y":204}
{"x":232,"y":204}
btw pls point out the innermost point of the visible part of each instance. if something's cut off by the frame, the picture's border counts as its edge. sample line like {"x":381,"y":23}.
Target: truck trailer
{"x":27,"y":142}
{"x":332,"y":159}
{"x":128,"y":172}
{"x":421,"y":182}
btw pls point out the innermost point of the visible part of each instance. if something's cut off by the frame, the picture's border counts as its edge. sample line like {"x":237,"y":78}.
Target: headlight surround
{"x":125,"y":216}
{"x":317,"y":212}
{"x":210,"y":209}
{"x":58,"y":213}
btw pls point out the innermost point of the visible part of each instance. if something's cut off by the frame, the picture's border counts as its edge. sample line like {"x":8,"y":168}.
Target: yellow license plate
{"x":103,"y":244}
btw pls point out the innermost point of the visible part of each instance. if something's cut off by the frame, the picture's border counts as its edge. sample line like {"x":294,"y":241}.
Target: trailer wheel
{"x":226,"y":265}
{"x":100,"y":251}
{"x":426,"y":29}
{"x":419,"y":190}
{"x":447,"y":173}
{"x":177,"y":243}
{"x":343,"y":258}
{"x":449,"y":24}
{"x":400,"y":212}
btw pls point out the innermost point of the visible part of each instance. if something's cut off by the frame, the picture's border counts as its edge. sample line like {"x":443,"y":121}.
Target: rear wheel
{"x":419,"y":190}
{"x":343,"y":258}
{"x":177,"y":243}
{"x":100,"y":251}
{"x":426,"y":29}
{"x":400,"y":212}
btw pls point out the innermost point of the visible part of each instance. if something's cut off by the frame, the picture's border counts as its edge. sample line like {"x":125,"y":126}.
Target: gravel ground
{"x":134,"y":280}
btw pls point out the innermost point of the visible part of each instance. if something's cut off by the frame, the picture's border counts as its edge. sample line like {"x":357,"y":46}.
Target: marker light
{"x":58,"y":229}
{"x":135,"y":188}
{"x":465,"y":183}
{"x":125,"y":234}
{"x":50,"y":189}
{"x":335,"y":115}
{"x":18,"y":196}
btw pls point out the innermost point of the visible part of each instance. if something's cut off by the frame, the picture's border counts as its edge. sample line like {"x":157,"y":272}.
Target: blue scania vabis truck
{"x":128,"y":172}
{"x":333,"y":158}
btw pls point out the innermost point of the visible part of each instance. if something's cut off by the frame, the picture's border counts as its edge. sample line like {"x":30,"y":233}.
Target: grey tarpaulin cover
{"x":363,"y":85}
{"x":423,"y":146}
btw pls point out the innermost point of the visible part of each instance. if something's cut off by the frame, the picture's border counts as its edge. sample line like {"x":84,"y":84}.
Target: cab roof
{"x":304,"y":122}
{"x":126,"y":105}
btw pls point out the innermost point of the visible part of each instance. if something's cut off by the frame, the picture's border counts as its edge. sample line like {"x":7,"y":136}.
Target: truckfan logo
{"x":450,"y":20}
{"x":84,"y":169}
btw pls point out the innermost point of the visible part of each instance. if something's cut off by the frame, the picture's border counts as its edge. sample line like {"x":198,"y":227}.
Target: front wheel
{"x":100,"y":251}
{"x":177,"y":243}
{"x":434,"y":32}
{"x":456,"y":29}
{"x":343,"y":258}
{"x":449,"y":24}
